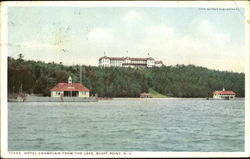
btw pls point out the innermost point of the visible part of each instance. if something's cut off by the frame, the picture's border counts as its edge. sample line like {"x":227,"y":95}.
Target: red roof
{"x":104,"y":57}
{"x":116,"y":58}
{"x":141,"y":59}
{"x":225,"y":92}
{"x":70,"y":87}
{"x":146,"y":94}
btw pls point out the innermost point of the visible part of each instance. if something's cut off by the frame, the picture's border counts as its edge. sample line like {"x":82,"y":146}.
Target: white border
{"x":247,"y":81}
{"x":4,"y":108}
{"x":217,"y":4}
{"x":207,"y":4}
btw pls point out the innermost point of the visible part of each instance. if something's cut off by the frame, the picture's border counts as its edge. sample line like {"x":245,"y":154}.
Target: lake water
{"x":128,"y":125}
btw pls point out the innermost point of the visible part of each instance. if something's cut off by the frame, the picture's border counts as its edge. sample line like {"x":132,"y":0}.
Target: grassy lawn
{"x":156,"y":94}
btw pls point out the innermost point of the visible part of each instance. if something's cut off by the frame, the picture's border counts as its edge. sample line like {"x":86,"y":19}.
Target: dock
{"x":53,"y":99}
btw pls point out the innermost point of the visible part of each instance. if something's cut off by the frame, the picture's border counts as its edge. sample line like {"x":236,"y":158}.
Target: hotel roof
{"x":124,"y":58}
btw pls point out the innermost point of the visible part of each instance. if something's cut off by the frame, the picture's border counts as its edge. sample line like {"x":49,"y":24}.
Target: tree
{"x":20,"y":56}
{"x":177,"y":81}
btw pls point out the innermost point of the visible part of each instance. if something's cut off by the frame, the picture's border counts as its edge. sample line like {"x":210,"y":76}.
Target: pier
{"x":53,"y":99}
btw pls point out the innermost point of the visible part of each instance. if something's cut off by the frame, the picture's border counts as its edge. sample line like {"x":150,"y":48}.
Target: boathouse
{"x":69,"y":90}
{"x":146,"y":95}
{"x":224,"y":94}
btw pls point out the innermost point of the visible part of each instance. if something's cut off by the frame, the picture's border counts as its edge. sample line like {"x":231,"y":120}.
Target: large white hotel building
{"x":128,"y":62}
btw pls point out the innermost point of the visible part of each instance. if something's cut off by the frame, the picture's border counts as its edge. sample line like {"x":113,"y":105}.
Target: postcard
{"x":125,"y":79}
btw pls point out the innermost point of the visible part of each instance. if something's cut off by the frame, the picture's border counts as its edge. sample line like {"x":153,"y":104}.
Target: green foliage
{"x":174,"y":81}
{"x":156,"y":94}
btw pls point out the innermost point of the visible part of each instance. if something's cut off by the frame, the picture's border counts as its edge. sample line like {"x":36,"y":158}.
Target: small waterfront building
{"x":146,"y":95}
{"x":128,"y":62}
{"x":69,"y":89}
{"x":224,"y":94}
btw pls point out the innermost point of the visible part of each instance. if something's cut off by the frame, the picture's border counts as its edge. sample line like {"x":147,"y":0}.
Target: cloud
{"x":207,"y":48}
{"x":205,"y":27}
{"x":132,"y":17}
{"x":206,"y":31}
{"x":100,"y":35}
{"x":95,"y":42}
{"x":34,"y":44}
{"x":158,"y":36}
{"x":36,"y":50}
{"x":99,"y":40}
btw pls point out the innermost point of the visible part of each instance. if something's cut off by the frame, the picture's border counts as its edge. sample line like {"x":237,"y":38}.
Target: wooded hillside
{"x":175,"y":81}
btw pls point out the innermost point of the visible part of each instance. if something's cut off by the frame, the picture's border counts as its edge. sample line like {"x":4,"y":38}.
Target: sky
{"x":80,"y":35}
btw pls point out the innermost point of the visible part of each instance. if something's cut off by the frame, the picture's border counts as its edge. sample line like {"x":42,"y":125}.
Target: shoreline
{"x":53,"y":99}
{"x":171,"y":98}
{"x":93,"y":99}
